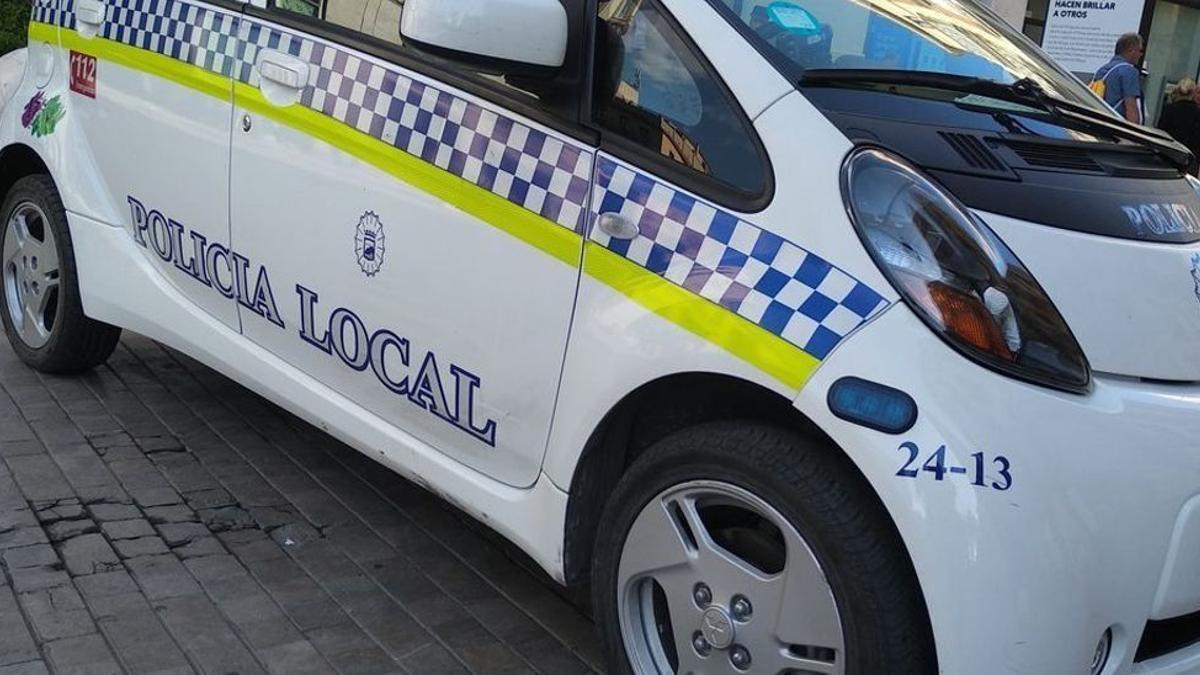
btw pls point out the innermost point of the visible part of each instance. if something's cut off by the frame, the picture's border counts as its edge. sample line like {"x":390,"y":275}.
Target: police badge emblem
{"x":368,"y":243}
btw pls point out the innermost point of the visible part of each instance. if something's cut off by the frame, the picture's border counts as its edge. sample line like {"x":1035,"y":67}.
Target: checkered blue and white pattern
{"x":197,"y":35}
{"x":524,"y":165}
{"x":757,"y":274}
{"x":46,"y":11}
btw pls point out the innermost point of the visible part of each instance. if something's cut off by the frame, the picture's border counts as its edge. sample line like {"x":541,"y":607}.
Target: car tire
{"x":700,"y":524}
{"x":40,"y":304}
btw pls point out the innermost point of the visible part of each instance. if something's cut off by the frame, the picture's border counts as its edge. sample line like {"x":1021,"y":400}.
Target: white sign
{"x":1081,"y":34}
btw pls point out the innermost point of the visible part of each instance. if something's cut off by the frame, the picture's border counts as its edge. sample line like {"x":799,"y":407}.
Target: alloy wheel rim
{"x":30,"y":274}
{"x":713,"y":579}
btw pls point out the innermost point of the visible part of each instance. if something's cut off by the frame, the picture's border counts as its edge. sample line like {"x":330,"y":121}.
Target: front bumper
{"x":1027,"y":579}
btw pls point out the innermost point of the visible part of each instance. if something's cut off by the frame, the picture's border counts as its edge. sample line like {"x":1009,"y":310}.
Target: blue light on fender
{"x":872,"y":405}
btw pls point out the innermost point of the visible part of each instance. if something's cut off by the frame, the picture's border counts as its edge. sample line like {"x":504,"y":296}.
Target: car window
{"x":653,"y":90}
{"x":380,"y":19}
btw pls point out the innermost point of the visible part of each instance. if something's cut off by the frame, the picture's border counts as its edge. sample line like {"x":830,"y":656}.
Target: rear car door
{"x":412,"y":230}
{"x":150,"y":88}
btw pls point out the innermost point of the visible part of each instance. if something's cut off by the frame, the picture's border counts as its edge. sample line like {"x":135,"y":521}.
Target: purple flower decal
{"x":32,"y":109}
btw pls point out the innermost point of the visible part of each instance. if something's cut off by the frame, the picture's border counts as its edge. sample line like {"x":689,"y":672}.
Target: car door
{"x":411,"y":231}
{"x":150,"y":88}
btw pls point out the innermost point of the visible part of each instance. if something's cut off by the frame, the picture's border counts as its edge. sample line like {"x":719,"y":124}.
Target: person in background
{"x":1119,"y":81}
{"x":1181,"y":118}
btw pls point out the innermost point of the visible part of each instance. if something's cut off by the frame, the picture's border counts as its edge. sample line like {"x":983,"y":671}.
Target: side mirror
{"x":502,"y":36}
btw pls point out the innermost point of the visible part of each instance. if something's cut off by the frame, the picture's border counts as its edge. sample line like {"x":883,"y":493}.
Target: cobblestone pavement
{"x":157,"y":517}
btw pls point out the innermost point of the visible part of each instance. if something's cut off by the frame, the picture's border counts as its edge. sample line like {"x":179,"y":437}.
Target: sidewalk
{"x":157,"y":517}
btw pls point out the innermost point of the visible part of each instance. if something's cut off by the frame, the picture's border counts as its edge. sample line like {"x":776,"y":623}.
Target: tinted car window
{"x":653,"y":90}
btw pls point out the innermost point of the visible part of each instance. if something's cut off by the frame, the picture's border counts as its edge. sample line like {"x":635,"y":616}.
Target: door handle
{"x":90,"y":12}
{"x":281,"y":77}
{"x":282,"y":69}
{"x":617,"y":226}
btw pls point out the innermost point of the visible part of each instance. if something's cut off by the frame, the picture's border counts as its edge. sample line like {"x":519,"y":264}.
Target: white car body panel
{"x":492,"y":310}
{"x":1152,"y":307}
{"x":1094,"y":532}
{"x":12,"y":71}
{"x":150,"y":136}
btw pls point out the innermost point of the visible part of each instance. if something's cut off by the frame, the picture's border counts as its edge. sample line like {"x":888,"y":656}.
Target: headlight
{"x":957,"y":274}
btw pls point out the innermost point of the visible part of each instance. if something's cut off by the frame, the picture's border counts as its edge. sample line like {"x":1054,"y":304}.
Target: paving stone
{"x":294,"y":657}
{"x":34,"y":578}
{"x":141,"y":641}
{"x":69,"y":529}
{"x":18,"y":448}
{"x":132,"y":548}
{"x":155,"y":496}
{"x":199,"y":628}
{"x":21,"y":516}
{"x":200,"y":547}
{"x":175,"y":513}
{"x":78,"y":655}
{"x":339,"y":638}
{"x":208,"y":499}
{"x":57,"y":613}
{"x":27,"y":668}
{"x":18,"y":537}
{"x":262,"y":548}
{"x":179,"y":534}
{"x":109,"y":440}
{"x":106,"y":512}
{"x":83,"y":467}
{"x":106,"y":494}
{"x":162,"y":576}
{"x":118,"y":605}
{"x":30,"y":556}
{"x":155,"y":444}
{"x":367,"y":661}
{"x":118,"y":453}
{"x":39,"y":478}
{"x":88,"y":554}
{"x":16,"y":644}
{"x":94,"y":587}
{"x":128,"y":529}
{"x":63,"y":509}
{"x":295,"y":534}
{"x":226,"y":518}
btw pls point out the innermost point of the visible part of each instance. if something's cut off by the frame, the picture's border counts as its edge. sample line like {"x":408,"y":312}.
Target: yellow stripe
{"x":742,"y":338}
{"x":43,"y":32}
{"x":200,"y":79}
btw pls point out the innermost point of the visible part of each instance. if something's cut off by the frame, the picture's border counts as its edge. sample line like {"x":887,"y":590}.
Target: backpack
{"x":1099,"y":86}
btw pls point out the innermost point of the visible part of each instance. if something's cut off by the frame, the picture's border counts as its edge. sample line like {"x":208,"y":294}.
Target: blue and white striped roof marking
{"x":789,"y":291}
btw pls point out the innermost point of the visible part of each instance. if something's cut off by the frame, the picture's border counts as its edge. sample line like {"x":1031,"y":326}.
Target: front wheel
{"x":40,"y":304}
{"x":742,"y":547}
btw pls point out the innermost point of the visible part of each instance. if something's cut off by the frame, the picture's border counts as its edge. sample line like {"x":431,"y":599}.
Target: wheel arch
{"x":649,"y":413}
{"x":18,"y":161}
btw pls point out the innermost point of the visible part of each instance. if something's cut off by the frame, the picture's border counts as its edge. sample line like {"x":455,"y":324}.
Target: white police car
{"x":817,"y":336}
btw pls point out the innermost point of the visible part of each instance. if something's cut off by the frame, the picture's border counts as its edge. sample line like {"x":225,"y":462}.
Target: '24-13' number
{"x":936,"y":464}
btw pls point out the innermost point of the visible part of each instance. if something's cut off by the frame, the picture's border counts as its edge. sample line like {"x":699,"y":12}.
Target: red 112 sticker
{"x":83,"y":74}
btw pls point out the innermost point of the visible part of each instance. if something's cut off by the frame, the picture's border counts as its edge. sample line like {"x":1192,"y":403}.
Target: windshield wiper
{"x":1024,"y":91}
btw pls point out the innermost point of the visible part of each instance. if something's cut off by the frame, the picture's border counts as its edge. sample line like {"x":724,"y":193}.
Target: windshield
{"x":955,"y":37}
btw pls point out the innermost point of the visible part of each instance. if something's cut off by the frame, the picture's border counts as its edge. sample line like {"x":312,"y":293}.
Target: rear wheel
{"x":39,"y":303}
{"x":739,"y":547}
